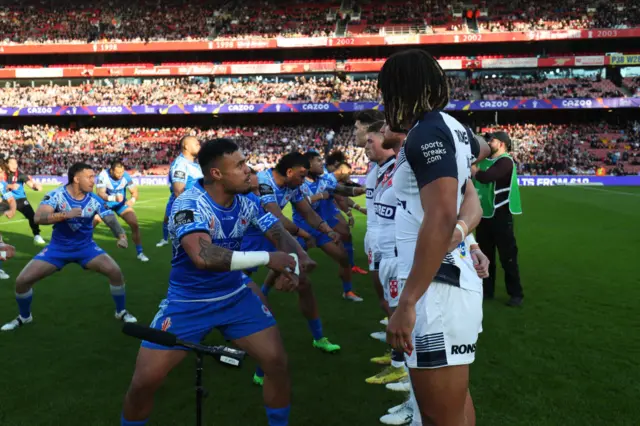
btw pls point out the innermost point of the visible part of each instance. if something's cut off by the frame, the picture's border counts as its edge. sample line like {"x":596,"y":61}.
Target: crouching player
{"x":70,"y":209}
{"x":207,"y":288}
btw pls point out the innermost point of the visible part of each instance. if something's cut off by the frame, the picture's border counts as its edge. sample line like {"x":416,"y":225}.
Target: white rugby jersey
{"x":370,"y":185}
{"x":437,"y":146}
{"x":385,"y":202}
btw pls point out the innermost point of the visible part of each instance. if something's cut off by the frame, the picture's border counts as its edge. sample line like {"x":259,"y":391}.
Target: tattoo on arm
{"x":112,"y":222}
{"x":48,"y":217}
{"x":282,"y":239}
{"x":214,"y":257}
{"x":348,"y":191}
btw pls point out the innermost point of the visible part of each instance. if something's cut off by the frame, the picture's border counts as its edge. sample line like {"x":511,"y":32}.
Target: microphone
{"x":152,"y":335}
{"x":223,"y":354}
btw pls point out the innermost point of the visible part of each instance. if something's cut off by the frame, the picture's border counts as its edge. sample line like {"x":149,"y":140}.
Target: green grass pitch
{"x":568,"y":357}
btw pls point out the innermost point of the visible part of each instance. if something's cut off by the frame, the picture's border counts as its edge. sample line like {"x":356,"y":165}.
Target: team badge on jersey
{"x":166,"y":324}
{"x":462,"y":247}
{"x":393,"y":288}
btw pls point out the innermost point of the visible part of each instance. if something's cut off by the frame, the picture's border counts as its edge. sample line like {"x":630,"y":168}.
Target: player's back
{"x":195,"y":211}
{"x":184,"y":171}
{"x":437,"y":146}
{"x":76,"y":233}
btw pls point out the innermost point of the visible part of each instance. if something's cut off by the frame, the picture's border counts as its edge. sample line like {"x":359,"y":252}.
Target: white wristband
{"x":242,"y":260}
{"x":471,"y":239}
{"x":461,"y":229}
{"x":3,"y":256}
{"x":133,"y":200}
{"x":295,"y":256}
{"x":111,"y":198}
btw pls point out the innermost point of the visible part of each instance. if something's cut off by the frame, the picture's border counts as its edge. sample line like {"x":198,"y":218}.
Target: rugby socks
{"x":139,"y":249}
{"x":315,"y":325}
{"x":24,"y":303}
{"x":259,"y":372}
{"x":349,"y":247}
{"x":165,"y":231}
{"x":265,"y":289}
{"x":277,"y":416}
{"x":118,"y":294}
{"x":397,"y":359}
{"x":124,"y":422}
{"x":346,"y":286}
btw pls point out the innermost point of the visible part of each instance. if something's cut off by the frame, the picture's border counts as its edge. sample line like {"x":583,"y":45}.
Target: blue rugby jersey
{"x":76,"y":233}
{"x":195,"y":211}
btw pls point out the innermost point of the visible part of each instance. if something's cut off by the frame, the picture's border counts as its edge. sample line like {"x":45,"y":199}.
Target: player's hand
{"x":306,"y":263}
{"x":119,"y":198}
{"x":480,"y":262}
{"x":281,"y":262}
{"x":6,"y":251}
{"x":130,"y":203}
{"x":287,"y":282}
{"x":401,"y":326}
{"x":325,"y":195}
{"x":303,"y":234}
{"x":37,"y":186}
{"x":10,"y":214}
{"x":123,"y":243}
{"x":311,"y":243}
{"x":352,"y":221}
{"x":335,"y":237}
{"x":75,"y":212}
{"x":13,"y":186}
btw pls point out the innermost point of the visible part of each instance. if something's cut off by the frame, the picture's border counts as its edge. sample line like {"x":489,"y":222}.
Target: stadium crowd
{"x":50,"y":150}
{"x":196,"y":90}
{"x":539,"y":149}
{"x":37,"y":21}
{"x":543,"y":88}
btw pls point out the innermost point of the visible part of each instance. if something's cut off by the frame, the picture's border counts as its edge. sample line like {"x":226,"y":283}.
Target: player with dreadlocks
{"x":439,"y":313}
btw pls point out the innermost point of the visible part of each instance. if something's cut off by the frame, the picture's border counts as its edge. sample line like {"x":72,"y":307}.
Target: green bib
{"x":487,"y":192}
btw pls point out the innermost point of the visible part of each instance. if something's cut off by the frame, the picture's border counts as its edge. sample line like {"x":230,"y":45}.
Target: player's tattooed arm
{"x":315,"y":221}
{"x":206,"y":255}
{"x":112,"y":222}
{"x":283,"y":240}
{"x":46,"y":215}
{"x":349,"y":191}
{"x":275,"y":210}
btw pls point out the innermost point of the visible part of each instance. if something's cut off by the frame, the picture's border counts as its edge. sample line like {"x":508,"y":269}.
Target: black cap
{"x":501,"y":136}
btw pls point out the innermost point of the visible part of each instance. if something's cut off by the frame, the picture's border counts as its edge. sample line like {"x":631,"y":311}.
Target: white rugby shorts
{"x":448,"y":321}
{"x":373,"y":258}
{"x":389,"y":279}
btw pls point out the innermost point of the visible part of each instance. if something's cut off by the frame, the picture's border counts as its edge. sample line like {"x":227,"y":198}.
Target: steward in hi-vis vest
{"x":496,"y":180}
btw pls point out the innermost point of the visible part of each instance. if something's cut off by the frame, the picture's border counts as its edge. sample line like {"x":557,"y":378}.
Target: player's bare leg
{"x":267,"y":349}
{"x":339,"y":254}
{"x":342,"y":228}
{"x":33,"y":272}
{"x":106,"y":266}
{"x":442,"y":394}
{"x":469,"y":411}
{"x":152,"y":366}
{"x":129,"y":216}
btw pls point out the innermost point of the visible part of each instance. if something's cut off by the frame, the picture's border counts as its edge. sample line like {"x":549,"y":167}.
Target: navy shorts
{"x":60,"y":256}
{"x":237,"y":316}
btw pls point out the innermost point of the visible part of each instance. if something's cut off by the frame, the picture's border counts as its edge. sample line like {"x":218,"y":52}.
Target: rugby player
{"x":319,"y":186}
{"x":112,"y":187}
{"x":439,"y":312}
{"x":8,"y":208}
{"x":70,"y":209}
{"x":16,"y":181}
{"x":183,"y":174}
{"x":207,"y":287}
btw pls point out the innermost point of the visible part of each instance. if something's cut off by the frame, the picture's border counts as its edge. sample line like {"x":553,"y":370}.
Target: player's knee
{"x":145,"y":382}
{"x":23,"y":284}
{"x":114,"y":273}
{"x":275,"y":363}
